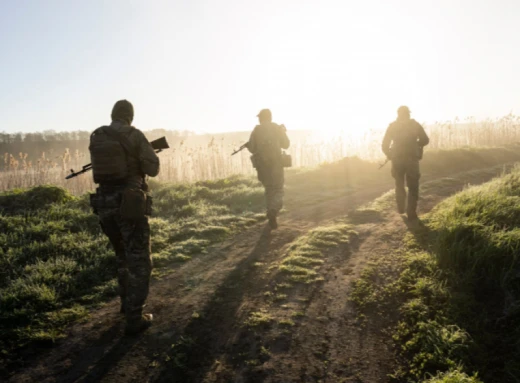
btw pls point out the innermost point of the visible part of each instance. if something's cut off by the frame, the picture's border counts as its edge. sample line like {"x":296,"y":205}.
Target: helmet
{"x":403,"y":111}
{"x":265,"y":114}
{"x":123,"y":110}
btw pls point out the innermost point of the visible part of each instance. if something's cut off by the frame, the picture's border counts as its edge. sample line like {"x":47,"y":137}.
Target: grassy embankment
{"x":455,"y":289}
{"x":55,"y":264}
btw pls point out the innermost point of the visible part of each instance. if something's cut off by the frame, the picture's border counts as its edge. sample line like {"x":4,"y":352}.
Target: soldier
{"x":121,"y":157}
{"x":408,"y":138}
{"x":266,"y":143}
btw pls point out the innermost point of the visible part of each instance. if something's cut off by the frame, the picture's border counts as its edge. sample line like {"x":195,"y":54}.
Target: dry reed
{"x":212,"y":159}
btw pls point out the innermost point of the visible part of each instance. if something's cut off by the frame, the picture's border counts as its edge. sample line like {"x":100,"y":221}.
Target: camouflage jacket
{"x":404,"y":140}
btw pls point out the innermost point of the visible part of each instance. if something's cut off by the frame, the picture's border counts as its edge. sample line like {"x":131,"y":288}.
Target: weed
{"x":259,"y":319}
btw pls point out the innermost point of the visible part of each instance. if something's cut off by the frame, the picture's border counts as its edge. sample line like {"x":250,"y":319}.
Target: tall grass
{"x":208,"y":158}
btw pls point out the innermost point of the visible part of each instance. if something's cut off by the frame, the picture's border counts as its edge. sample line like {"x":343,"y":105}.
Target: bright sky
{"x":211,"y":65}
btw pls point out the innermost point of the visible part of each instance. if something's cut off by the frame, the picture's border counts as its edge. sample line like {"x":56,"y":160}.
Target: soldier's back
{"x":404,"y":136}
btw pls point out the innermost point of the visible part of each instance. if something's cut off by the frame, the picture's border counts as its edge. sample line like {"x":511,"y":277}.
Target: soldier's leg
{"x":136,"y":236}
{"x":274,"y":195}
{"x":412,"y":181}
{"x":398,"y":172}
{"x":110,"y":227}
{"x":276,"y":192}
{"x":263,"y":178}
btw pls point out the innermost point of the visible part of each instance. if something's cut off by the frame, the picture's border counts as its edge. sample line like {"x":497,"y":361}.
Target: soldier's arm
{"x":252,"y":145}
{"x":147,"y":156}
{"x":423,"y":139}
{"x":387,"y":140}
{"x":284,"y":139}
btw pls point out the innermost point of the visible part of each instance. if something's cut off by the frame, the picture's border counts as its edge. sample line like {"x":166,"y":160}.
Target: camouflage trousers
{"x":131,"y":242}
{"x":272,"y":178}
{"x":406,"y":170}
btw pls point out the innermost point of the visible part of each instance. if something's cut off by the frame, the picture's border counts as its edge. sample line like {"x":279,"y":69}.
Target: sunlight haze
{"x":209,"y":66}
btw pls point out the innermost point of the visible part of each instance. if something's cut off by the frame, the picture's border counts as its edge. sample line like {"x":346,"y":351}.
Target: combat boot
{"x":411,"y":210}
{"x":401,"y":205}
{"x":271,"y":216}
{"x":138,"y":325}
{"x":412,"y":216}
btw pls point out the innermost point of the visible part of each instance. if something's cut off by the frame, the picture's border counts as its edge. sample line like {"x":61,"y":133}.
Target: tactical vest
{"x":269,"y":150}
{"x":111,"y":162}
{"x":405,"y":137}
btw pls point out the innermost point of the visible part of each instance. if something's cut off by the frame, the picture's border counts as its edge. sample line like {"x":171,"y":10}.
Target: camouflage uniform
{"x":408,"y":138}
{"x":265,"y":143}
{"x":129,"y":237}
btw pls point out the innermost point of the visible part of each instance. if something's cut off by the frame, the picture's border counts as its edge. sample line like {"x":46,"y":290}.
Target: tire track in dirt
{"x":330,"y":344}
{"x":208,"y":299}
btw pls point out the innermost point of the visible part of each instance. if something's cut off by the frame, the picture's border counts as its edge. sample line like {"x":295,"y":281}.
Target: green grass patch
{"x":455,"y":289}
{"x":55,"y":263}
{"x":306,"y":254}
{"x":259,"y":319}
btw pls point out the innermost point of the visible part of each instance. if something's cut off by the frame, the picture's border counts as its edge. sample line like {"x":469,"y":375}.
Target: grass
{"x":455,"y":289}
{"x":55,"y":263}
{"x":303,"y":259}
{"x":259,"y":319}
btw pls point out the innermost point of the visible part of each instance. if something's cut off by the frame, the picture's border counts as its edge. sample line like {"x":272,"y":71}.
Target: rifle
{"x":159,"y":145}
{"x":240,"y":149}
{"x":384,"y":163}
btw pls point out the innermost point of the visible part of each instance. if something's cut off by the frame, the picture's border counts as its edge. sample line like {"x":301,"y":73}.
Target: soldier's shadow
{"x":420,"y":231}
{"x":217,"y":318}
{"x":101,"y":356}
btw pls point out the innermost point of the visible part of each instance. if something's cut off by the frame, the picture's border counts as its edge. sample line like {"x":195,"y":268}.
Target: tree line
{"x":52,"y":142}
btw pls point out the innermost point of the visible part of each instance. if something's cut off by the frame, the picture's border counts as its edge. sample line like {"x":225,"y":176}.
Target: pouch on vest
{"x":254,"y":161}
{"x":286,"y":160}
{"x":94,"y":203}
{"x":149,"y":205}
{"x":133,"y":204}
{"x":104,"y":201}
{"x":420,"y":151}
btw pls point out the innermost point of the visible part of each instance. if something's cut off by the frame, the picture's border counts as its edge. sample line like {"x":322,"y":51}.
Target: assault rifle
{"x":159,"y":145}
{"x":384,"y":163}
{"x":240,"y":149}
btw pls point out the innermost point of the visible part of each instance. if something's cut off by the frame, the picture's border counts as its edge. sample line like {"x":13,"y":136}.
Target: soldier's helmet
{"x":123,"y":110}
{"x":403,"y":111}
{"x":265,"y":115}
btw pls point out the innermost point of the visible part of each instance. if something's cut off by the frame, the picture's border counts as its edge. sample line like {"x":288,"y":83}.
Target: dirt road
{"x":201,"y":309}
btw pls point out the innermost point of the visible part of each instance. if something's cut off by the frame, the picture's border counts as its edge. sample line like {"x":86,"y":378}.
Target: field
{"x":346,"y":290}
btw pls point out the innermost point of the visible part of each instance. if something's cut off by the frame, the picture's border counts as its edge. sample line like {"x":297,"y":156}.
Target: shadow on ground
{"x":193,"y":352}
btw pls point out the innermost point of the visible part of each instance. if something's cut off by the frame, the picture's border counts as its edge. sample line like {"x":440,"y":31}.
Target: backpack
{"x":109,"y":152}
{"x":269,"y":151}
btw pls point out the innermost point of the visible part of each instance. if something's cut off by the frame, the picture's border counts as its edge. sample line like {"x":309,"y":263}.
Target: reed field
{"x":208,"y":157}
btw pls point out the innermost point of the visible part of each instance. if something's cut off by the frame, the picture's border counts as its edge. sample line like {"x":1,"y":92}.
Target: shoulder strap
{"x":123,"y":140}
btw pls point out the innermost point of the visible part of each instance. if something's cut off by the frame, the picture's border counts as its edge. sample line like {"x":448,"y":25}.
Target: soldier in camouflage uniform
{"x":403,"y":144}
{"x":121,"y":158}
{"x":266,"y":143}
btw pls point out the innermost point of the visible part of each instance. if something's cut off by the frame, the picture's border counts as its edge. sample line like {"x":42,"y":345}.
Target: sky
{"x":211,"y":65}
